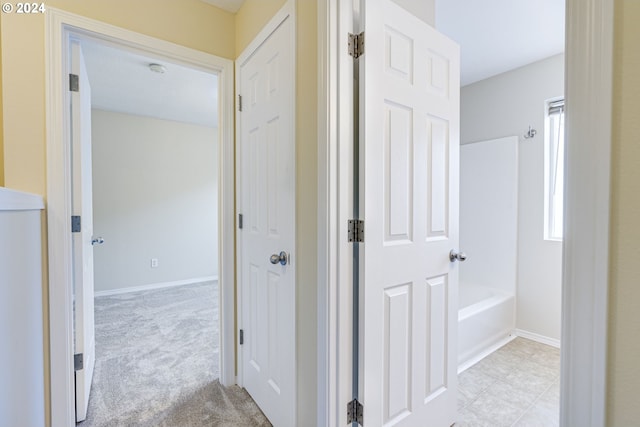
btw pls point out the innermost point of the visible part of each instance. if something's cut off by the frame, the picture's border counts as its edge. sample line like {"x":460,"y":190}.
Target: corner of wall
{"x":623,"y":375}
{"x":251,"y":18}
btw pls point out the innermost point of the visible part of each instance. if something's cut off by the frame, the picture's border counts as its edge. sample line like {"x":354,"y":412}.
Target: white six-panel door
{"x":267,"y":204}
{"x":409,"y":88}
{"x":82,"y":205}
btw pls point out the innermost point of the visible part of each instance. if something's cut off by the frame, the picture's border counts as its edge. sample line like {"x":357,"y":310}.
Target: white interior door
{"x":82,"y":206}
{"x":409,"y":89}
{"x":267,"y":203}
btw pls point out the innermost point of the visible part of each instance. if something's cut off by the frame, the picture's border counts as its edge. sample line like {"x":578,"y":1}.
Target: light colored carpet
{"x":157,"y":363}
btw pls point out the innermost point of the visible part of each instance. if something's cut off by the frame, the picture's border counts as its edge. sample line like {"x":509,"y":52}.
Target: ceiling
{"x":501,"y":35}
{"x":122,"y":81}
{"x":494,"y":35}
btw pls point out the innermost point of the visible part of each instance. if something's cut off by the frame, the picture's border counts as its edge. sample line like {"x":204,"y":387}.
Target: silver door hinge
{"x":356,"y":231}
{"x":239,"y":102}
{"x":355,"y":412}
{"x":76,"y":225}
{"x":241,"y":336}
{"x":74,"y":83}
{"x":356,"y":45}
{"x":240,"y":221}
{"x":78,"y":362}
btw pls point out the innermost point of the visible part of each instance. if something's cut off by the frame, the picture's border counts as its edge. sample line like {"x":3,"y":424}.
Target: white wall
{"x":489,"y":213}
{"x":22,"y":377}
{"x":506,"y":105}
{"x":423,"y":9}
{"x":155,"y":189}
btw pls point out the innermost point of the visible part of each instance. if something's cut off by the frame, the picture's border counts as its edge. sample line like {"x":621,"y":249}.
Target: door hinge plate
{"x":241,"y":336}
{"x":74,"y":83}
{"x":240,"y":221}
{"x":78,"y":362}
{"x":356,"y":231}
{"x":356,"y":45}
{"x":239,"y":102}
{"x":355,"y":412}
{"x":76,"y":224}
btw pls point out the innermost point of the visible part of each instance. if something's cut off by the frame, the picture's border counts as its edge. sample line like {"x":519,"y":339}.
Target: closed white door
{"x":267,"y":204}
{"x":82,"y":207}
{"x":409,"y":88}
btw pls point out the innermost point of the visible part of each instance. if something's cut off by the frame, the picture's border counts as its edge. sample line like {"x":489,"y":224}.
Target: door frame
{"x":287,"y":11}
{"x":58,"y":26}
{"x":588,"y":75}
{"x":335,"y":207}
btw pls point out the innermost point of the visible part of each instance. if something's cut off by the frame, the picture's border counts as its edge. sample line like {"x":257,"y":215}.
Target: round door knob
{"x":97,"y":241}
{"x":281,"y":258}
{"x":457,"y":256}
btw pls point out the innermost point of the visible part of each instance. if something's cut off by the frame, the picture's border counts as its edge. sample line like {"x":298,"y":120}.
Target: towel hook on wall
{"x":530,"y":133}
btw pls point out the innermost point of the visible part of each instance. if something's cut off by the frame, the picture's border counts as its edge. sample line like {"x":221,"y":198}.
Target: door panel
{"x":267,"y":202}
{"x":82,"y":205}
{"x":409,"y":89}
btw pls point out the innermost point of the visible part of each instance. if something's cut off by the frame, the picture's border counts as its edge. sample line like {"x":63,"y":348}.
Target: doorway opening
{"x":154,"y":179}
{"x":189,"y":183}
{"x":511,"y":284}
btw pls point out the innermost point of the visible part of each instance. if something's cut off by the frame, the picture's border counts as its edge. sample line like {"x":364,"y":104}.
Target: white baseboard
{"x":154,"y":286}
{"x":537,"y":337}
{"x":475,"y":359}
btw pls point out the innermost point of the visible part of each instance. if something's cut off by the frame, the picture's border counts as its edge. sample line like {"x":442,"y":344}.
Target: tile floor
{"x":518,"y":385}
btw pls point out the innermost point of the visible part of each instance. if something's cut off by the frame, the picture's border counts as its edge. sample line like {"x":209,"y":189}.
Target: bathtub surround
{"x":488,"y":235}
{"x":157,"y":358}
{"x":489,"y":213}
{"x":485,"y":323}
{"x":508,"y":104}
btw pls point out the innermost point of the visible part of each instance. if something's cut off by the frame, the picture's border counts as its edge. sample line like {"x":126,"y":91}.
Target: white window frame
{"x":554,"y":149}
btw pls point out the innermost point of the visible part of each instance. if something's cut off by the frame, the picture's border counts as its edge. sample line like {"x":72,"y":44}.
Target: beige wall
{"x":190,"y":23}
{"x":1,"y":120}
{"x":253,"y":15}
{"x":624,"y":274}
{"x":306,"y":208}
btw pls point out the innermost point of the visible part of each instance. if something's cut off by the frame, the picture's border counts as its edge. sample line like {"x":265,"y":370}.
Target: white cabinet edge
{"x":12,"y":200}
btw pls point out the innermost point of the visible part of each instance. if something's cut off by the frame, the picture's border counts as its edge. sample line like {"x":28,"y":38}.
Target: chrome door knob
{"x":457,"y":256}
{"x":97,"y":241}
{"x":281,"y":258}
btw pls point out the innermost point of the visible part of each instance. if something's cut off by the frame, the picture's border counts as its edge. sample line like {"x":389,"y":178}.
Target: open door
{"x":409,"y":154}
{"x":82,"y":227}
{"x":266,"y":151}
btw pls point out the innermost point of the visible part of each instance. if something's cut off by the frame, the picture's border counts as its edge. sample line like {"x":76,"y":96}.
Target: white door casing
{"x":409,"y":142}
{"x":266,"y":149}
{"x":82,"y":206}
{"x":59,"y":26}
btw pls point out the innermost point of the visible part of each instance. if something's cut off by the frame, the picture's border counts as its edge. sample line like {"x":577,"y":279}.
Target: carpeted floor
{"x":157,"y":363}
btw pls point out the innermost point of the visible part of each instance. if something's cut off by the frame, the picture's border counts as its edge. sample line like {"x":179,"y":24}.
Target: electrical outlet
{"x":154,"y":262}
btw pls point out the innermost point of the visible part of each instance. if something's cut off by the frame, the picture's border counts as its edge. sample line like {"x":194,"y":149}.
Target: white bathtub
{"x":486,"y":319}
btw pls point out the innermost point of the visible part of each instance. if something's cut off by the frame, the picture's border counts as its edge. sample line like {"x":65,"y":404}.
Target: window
{"x":554,"y":169}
